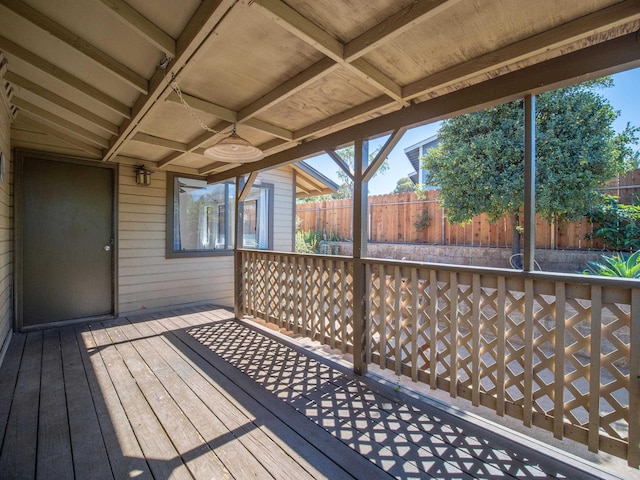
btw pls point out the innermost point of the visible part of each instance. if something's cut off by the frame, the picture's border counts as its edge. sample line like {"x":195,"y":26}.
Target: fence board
{"x":392,"y":219}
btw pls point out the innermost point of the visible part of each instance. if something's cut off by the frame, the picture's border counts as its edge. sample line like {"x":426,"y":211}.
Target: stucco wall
{"x":6,"y":226}
{"x":148,"y":280}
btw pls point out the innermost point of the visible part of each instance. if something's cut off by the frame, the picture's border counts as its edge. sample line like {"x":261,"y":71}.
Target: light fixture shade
{"x":234,"y":149}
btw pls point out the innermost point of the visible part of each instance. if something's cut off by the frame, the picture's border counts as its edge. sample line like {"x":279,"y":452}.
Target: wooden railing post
{"x":238,"y":307}
{"x":528,"y":263}
{"x":359,"y":221}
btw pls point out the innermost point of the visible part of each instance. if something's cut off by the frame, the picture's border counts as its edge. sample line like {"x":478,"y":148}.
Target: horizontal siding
{"x":148,"y":280}
{"x":6,"y":228}
{"x":283,"y":220}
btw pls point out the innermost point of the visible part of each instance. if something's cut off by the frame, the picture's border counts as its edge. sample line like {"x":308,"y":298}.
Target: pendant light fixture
{"x":234,"y":149}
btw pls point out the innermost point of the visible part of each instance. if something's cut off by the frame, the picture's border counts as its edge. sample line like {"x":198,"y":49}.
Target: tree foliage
{"x":404,"y":185}
{"x":479,"y":163}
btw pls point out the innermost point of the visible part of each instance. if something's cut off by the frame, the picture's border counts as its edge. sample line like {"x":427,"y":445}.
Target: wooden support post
{"x":528,"y":263}
{"x":238,"y":307}
{"x":359,"y":222}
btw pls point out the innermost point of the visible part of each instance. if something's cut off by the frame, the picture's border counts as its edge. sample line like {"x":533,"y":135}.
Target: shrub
{"x":627,"y":266}
{"x":618,"y":224}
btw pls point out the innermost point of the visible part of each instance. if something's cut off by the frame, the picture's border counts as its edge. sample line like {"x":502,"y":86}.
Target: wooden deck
{"x":196,"y":394}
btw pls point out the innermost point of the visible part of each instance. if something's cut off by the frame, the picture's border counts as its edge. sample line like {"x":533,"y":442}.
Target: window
{"x":200,"y":217}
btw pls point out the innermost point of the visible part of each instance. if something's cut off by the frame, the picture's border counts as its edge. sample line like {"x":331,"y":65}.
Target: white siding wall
{"x":6,"y":228}
{"x":284,"y":218}
{"x":147,"y":280}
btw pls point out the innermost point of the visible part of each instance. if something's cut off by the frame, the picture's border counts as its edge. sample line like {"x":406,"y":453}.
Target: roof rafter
{"x":49,"y":68}
{"x":395,"y":25}
{"x":309,"y":32}
{"x":109,"y":64}
{"x":229,"y":115}
{"x":159,"y":142}
{"x":142,"y":25}
{"x":592,"y":62}
{"x":200,"y":26}
{"x":35,"y":123}
{"x":70,"y":128}
{"x":42,"y":92}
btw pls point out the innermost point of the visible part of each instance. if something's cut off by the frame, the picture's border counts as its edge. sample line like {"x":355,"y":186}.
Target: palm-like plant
{"x":616,"y":266}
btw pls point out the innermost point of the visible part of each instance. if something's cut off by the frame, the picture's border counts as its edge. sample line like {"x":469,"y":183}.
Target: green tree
{"x":479,"y":163}
{"x":404,"y":185}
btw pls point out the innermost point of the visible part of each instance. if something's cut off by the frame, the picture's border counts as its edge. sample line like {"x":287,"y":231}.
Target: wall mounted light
{"x":143,"y":176}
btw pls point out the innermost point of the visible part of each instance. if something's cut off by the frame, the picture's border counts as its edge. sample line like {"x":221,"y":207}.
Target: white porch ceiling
{"x":87,"y":79}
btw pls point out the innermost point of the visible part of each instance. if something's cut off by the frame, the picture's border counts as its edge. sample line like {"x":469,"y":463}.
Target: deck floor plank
{"x":90,"y":459}
{"x":19,"y":446}
{"x":340,"y":454}
{"x":239,"y":423}
{"x":55,"y":459}
{"x":161,"y":455}
{"x":125,"y":455}
{"x":195,"y":393}
{"x":193,"y":449}
{"x":231,"y":456}
{"x":8,"y":378}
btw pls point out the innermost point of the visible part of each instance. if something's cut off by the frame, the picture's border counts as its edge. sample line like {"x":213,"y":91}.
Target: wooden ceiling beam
{"x":570,"y":32}
{"x":100,"y":58}
{"x":605,"y":58}
{"x":301,"y":27}
{"x":23,"y":83}
{"x":212,"y":167}
{"x":274,"y":130}
{"x":229,"y":115}
{"x":70,"y":127}
{"x":204,"y":106}
{"x":64,"y":77}
{"x":201,"y":25}
{"x":394,"y":26}
{"x":142,"y":26}
{"x":159,"y":142}
{"x":56,"y":132}
{"x":312,"y":34}
{"x":334,"y":121}
{"x":289,"y":88}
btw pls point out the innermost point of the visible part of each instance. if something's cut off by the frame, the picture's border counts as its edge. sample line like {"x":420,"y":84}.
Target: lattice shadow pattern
{"x":407,"y":441}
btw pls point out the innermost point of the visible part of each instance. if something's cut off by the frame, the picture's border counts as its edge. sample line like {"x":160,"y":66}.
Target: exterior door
{"x":66,"y":208}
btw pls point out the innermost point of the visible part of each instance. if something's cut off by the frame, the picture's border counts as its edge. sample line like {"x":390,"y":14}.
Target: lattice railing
{"x":309,"y":295}
{"x":560,"y":352}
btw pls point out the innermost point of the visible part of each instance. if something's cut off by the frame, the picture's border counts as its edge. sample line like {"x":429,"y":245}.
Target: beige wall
{"x":284,"y":218}
{"x":146,"y":279}
{"x":6,"y":227}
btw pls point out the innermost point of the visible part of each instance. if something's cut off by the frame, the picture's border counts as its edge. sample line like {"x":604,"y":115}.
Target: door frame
{"x":20,"y":155}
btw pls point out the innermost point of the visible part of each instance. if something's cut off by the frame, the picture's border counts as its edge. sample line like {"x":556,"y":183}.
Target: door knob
{"x":107,"y":248}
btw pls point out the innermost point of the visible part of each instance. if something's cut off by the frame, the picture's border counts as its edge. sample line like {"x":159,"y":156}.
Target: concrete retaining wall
{"x":566,"y":261}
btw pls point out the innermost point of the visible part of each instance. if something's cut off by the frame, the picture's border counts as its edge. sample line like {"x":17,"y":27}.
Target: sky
{"x":624,"y":96}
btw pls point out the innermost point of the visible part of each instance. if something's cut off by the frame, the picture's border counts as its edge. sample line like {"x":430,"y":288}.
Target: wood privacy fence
{"x":393,"y":218}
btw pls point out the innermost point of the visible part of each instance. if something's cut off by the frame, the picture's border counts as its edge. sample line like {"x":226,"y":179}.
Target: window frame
{"x":170,"y":253}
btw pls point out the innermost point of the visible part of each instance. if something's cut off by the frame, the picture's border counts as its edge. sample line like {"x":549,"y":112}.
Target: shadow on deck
{"x":193,"y":393}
